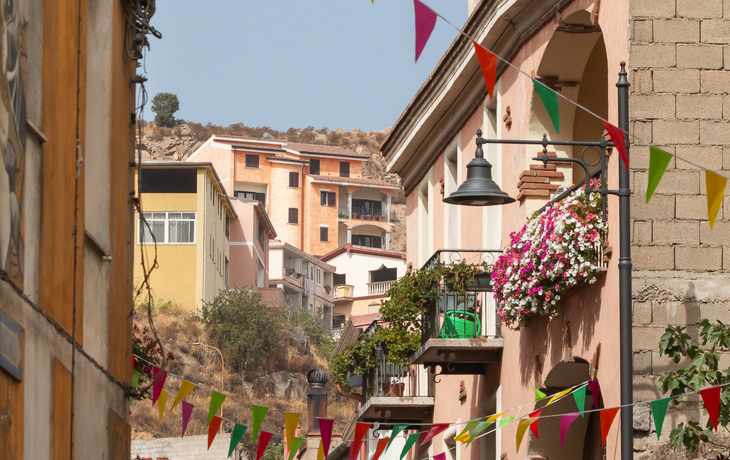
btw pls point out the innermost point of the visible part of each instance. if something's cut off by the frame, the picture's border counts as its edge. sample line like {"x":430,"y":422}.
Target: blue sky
{"x":282,"y":64}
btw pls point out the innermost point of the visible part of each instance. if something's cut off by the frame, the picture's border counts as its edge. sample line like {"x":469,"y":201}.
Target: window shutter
{"x":377,"y":242}
{"x":314,"y":167}
{"x":323,"y":234}
{"x":293,"y":216}
{"x":260,"y":197}
{"x":252,"y":161}
{"x":294,"y":179}
{"x":331,"y":199}
{"x":344,"y":169}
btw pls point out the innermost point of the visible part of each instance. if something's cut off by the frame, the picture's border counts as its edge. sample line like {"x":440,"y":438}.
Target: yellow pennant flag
{"x":715,"y":186}
{"x":320,"y":452}
{"x":161,"y":400}
{"x":185,"y":390}
{"x":464,"y":437}
{"x":559,"y":395}
{"x":290,"y":426}
{"x":522,"y":426}
{"x":496,"y":416}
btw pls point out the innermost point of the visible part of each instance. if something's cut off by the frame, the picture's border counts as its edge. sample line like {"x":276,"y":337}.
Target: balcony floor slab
{"x":442,"y":351}
{"x":397,"y":409}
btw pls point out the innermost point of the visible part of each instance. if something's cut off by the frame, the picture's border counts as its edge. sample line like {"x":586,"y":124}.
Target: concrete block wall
{"x":187,"y":448}
{"x":680,"y":102}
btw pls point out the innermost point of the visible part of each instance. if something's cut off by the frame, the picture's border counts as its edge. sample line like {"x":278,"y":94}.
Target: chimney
{"x":316,"y":399}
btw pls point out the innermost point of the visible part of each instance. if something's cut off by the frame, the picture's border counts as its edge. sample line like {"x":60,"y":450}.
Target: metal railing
{"x":379,"y":287}
{"x":367,"y":214}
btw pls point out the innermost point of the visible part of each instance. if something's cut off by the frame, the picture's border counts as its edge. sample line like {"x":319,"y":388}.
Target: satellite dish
{"x":267,"y":135}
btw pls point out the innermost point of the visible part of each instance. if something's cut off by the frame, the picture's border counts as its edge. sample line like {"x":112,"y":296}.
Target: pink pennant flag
{"x":264,"y":438}
{"x":711,"y":398}
{"x":425,"y":22}
{"x":533,"y":426}
{"x":595,"y":391}
{"x":158,"y":379}
{"x":361,"y":430}
{"x":619,"y":141}
{"x":325,"y":430}
{"x":435,"y":429}
{"x":565,"y":422}
{"x":213,"y":429}
{"x":187,"y":411}
{"x":441,"y":456}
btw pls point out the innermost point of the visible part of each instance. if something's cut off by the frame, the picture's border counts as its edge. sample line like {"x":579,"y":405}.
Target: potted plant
{"x":289,"y":271}
{"x":327,"y":288}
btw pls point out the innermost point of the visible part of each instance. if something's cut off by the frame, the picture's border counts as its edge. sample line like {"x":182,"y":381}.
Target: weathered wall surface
{"x":680,"y":103}
{"x":187,"y":448}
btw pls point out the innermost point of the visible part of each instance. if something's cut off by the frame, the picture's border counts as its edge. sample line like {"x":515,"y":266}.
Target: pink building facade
{"x":249,"y":246}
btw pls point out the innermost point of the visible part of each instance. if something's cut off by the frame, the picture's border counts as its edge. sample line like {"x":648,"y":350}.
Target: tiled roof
{"x":324,"y":149}
{"x":247,"y":138}
{"x":354,"y":181}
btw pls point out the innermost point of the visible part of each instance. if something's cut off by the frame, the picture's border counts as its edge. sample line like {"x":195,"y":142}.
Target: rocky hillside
{"x":180,"y":142}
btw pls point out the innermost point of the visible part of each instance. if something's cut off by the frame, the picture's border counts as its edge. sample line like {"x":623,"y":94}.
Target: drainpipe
{"x":302,"y":222}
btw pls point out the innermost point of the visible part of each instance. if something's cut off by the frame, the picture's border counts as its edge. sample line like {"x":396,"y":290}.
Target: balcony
{"x":461,"y":332}
{"x":343,"y":291}
{"x":379,"y":288}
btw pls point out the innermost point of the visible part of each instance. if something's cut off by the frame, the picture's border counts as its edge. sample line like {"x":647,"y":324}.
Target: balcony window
{"x":167,"y":227}
{"x":344,"y":169}
{"x":340,"y":279}
{"x":293,"y":180}
{"x":252,"y":161}
{"x":328,"y":199}
{"x":293,"y":216}
{"x":260,"y":197}
{"x":314,"y":167}
{"x":367,"y":241}
{"x":367,"y":207}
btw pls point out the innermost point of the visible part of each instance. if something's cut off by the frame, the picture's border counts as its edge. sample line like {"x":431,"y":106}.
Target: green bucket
{"x":457,"y":327}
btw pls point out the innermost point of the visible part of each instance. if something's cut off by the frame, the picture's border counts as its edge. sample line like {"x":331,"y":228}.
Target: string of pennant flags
{"x":659,"y":159}
{"x":472,"y":430}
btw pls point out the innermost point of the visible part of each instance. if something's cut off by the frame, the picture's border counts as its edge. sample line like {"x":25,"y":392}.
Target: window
{"x":261,"y":236}
{"x":314,"y":167}
{"x":319,"y":276}
{"x":168,"y":227}
{"x":293,"y":179}
{"x":344,"y":169}
{"x":367,"y":241}
{"x":226,"y":275}
{"x":252,"y":161}
{"x":293,"y":216}
{"x":169,"y":180}
{"x":228,"y":227}
{"x":328,"y":199}
{"x":323,"y":234}
{"x":311,"y":271}
{"x":340,"y":279}
{"x":367,"y":207}
{"x":260,"y":197}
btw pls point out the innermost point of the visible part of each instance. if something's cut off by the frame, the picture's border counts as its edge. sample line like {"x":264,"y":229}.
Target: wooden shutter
{"x":293,"y":216}
{"x":331,"y":199}
{"x":314,"y":167}
{"x":323,"y":234}
{"x":344,"y":169}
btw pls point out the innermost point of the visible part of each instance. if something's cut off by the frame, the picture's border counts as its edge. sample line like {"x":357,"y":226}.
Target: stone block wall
{"x":680,"y":102}
{"x":187,"y":448}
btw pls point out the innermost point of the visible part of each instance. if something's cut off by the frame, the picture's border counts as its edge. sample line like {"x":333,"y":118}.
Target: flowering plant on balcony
{"x":554,"y":251}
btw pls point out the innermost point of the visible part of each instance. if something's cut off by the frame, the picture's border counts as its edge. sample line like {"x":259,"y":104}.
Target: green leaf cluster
{"x":165,"y":105}
{"x":701,"y":372}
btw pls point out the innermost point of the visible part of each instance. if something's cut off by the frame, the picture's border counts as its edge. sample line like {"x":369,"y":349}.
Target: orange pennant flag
{"x":488,"y":63}
{"x":213,"y":429}
{"x":382,"y":442}
{"x":607,"y":416}
{"x":715,"y":186}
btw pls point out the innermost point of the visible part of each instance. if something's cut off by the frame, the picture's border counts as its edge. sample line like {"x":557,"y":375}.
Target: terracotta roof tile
{"x":325,"y":149}
{"x":355,"y":181}
{"x":248,"y":138}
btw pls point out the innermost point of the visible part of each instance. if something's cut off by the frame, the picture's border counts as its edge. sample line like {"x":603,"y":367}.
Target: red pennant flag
{"x":607,"y":416}
{"x":382,"y":442}
{"x":187,"y":411}
{"x":425,"y":22}
{"x":488,"y":63}
{"x":133,"y":364}
{"x":533,"y":425}
{"x":264,"y":438}
{"x":361,"y":430}
{"x":618,"y":139}
{"x":325,"y":430}
{"x":711,"y":398}
{"x":435,"y":429}
{"x":213,"y":429}
{"x":158,"y":379}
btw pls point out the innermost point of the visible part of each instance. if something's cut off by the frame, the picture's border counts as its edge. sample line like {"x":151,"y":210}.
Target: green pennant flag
{"x":549,"y":99}
{"x":295,"y":445}
{"x":135,"y":381}
{"x":478,"y":429}
{"x":658,"y":162}
{"x":236,"y":436}
{"x":396,"y":431}
{"x":259,"y":412}
{"x":580,"y":399}
{"x":539,"y":395}
{"x":504,"y":421}
{"x":468,"y":427}
{"x":216,"y":401}
{"x":409,"y":443}
{"x":659,"y":411}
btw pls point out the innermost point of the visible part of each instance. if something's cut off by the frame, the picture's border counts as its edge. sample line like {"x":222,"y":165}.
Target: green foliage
{"x":165,"y":105}
{"x":275,"y":452}
{"x":313,"y":327}
{"x":245,"y":330}
{"x":701,"y":372}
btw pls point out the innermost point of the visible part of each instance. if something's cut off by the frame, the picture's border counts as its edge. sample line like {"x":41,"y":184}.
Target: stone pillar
{"x":387,"y":212}
{"x":316,"y":399}
{"x":349,"y":208}
{"x":349,"y":235}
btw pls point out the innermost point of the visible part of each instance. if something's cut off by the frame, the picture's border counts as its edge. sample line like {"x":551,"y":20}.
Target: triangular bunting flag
{"x":397,"y":428}
{"x":361,"y":430}
{"x":595,"y":391}
{"x":659,"y":410}
{"x":522,"y":425}
{"x":488,"y":63}
{"x":440,"y":456}
{"x":213,"y":429}
{"x":711,"y":398}
{"x":325,"y":430}
{"x":187,"y":411}
{"x":133,"y":363}
{"x":161,"y":401}
{"x":533,"y":426}
{"x":619,"y":140}
{"x":320,"y":451}
{"x":658,"y":162}
{"x":258,"y":414}
{"x":135,"y":381}
{"x":295,"y":445}
{"x":565,"y":422}
{"x":435,"y":430}
{"x":409,"y":443}
{"x":557,"y":396}
{"x":158,"y":379}
{"x":263,"y":444}
{"x":380,"y":448}
{"x":539,"y":395}
{"x":291,"y":421}
{"x":504,"y":421}
{"x":464,"y":436}
{"x":549,"y":99}
{"x":580,"y":399}
{"x":425,"y":22}
{"x":607,"y":416}
{"x":185,"y":389}
{"x":494,"y":417}
{"x":715,"y":186}
{"x":236,"y":436}
{"x":216,"y":401}
{"x":478,"y":429}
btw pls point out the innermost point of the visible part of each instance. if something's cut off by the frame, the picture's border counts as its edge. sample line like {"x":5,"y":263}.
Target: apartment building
{"x":315,"y":194}
{"x":188,"y":227}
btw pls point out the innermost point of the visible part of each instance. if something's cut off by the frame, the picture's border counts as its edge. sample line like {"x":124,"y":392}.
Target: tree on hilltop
{"x":165,"y":105}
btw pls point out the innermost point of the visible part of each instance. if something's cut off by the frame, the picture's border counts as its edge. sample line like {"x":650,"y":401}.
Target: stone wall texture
{"x":680,"y":102}
{"x":187,"y":448}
